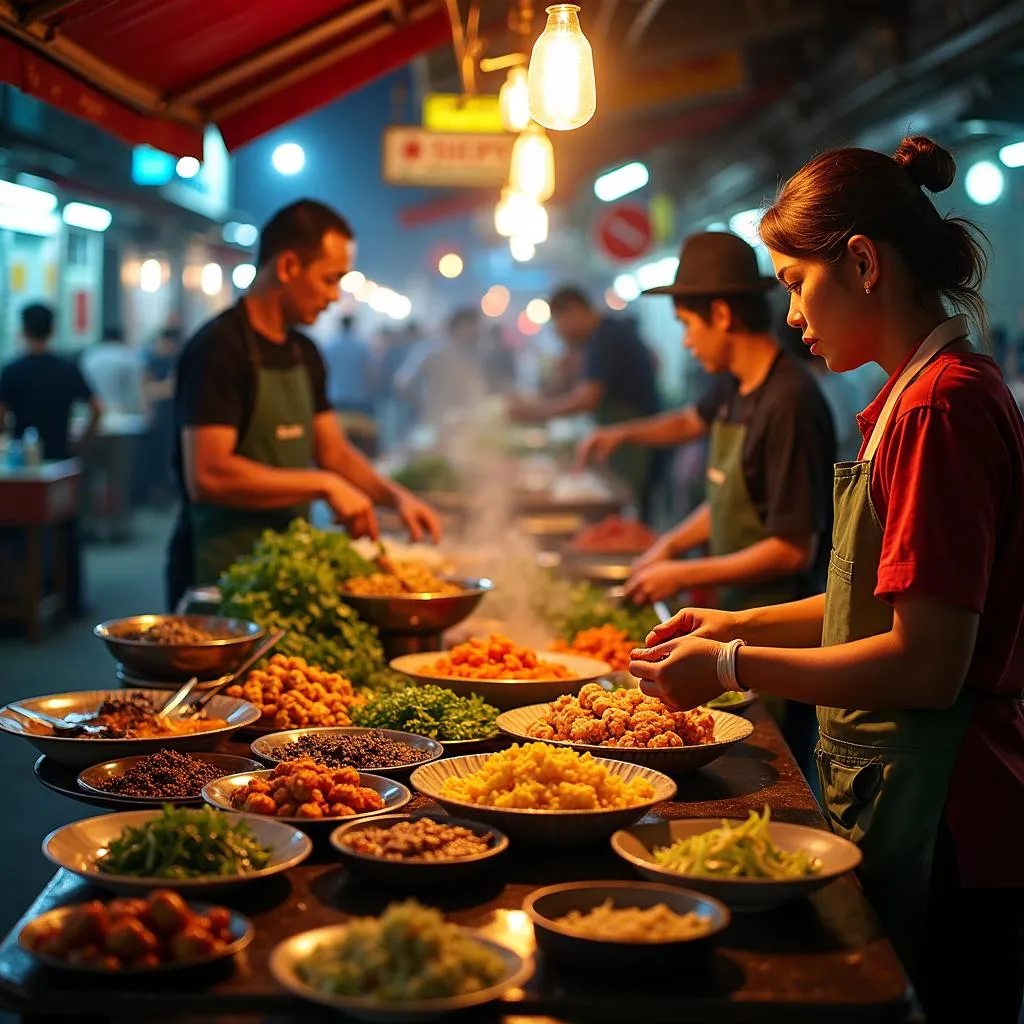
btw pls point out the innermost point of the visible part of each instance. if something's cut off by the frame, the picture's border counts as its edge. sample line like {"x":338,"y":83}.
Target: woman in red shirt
{"x":915,"y":655}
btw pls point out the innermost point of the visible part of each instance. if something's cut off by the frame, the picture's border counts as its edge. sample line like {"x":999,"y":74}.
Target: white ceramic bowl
{"x":558,"y":828}
{"x":77,"y":846}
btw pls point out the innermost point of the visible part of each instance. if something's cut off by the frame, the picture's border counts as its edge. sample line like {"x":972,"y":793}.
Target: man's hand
{"x":710,"y":623}
{"x":683,"y":672}
{"x":657,"y":581}
{"x":352,"y":508}
{"x":521,"y":409}
{"x":419,"y":518}
{"x":599,"y":444}
{"x":659,"y":551}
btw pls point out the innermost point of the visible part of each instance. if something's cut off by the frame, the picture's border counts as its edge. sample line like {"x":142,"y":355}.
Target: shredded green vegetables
{"x":740,"y":851}
{"x":184,"y":843}
{"x":727,"y":699}
{"x":429,"y":711}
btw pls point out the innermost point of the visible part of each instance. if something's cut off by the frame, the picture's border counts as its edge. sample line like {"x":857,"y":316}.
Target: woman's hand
{"x":710,"y":623}
{"x":682,"y":672}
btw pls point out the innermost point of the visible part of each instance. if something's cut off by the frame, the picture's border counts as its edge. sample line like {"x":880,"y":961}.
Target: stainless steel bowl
{"x":420,"y":613}
{"x":207,"y":659}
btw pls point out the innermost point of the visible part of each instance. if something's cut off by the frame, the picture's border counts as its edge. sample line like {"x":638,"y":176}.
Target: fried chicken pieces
{"x":622,"y":718}
{"x":306,"y":789}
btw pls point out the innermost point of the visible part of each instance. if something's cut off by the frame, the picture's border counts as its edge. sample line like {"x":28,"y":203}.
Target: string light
{"x":514,"y":100}
{"x":533,"y":165}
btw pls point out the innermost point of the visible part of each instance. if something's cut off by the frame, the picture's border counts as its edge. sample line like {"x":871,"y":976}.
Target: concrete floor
{"x":121,"y":580}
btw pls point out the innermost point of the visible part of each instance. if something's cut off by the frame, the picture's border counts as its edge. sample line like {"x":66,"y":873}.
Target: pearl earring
{"x":867,"y":289}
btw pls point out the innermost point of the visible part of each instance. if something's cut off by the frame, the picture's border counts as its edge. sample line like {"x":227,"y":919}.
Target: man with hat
{"x":767,"y":517}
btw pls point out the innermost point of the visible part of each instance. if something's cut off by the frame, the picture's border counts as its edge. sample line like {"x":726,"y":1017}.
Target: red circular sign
{"x":624,"y":232}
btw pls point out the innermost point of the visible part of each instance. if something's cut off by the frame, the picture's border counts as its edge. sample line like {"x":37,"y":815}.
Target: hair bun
{"x":930,"y":166}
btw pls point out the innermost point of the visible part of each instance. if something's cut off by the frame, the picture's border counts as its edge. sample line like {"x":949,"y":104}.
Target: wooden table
{"x":817,"y":960}
{"x":36,"y":499}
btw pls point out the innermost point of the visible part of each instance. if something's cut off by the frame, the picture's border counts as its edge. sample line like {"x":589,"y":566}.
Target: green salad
{"x":185,"y":843}
{"x":429,"y":711}
{"x":737,"y":851}
{"x":410,"y":952}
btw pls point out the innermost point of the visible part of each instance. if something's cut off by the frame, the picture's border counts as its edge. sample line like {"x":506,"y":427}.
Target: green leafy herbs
{"x":184,"y":843}
{"x":429,"y":711}
{"x":571,"y":608}
{"x":292,"y":581}
{"x":429,"y":473}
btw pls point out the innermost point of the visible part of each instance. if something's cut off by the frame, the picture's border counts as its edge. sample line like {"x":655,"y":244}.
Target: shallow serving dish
{"x":420,"y":873}
{"x":82,"y":751}
{"x":420,"y":613}
{"x":76,"y":847}
{"x":559,"y":828}
{"x":592,"y":954}
{"x":430,"y":749}
{"x":506,"y":693}
{"x":91,"y":779}
{"x":242,"y":932}
{"x":395,"y":796}
{"x":837,"y":855}
{"x":729,"y":730}
{"x":207,"y":659}
{"x":286,"y":955}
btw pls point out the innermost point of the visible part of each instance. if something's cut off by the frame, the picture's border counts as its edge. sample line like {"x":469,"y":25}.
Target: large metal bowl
{"x":207,"y":659}
{"x":420,"y":613}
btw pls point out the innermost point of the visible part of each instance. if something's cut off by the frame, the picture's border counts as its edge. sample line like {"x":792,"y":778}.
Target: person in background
{"x":617,"y":382}
{"x":395,"y":413}
{"x":347,"y":357}
{"x":158,"y":377}
{"x":498,"y":360}
{"x":116,"y":373}
{"x":39,"y":389}
{"x":915,"y":653}
{"x":256,"y":438}
{"x":446,"y":378}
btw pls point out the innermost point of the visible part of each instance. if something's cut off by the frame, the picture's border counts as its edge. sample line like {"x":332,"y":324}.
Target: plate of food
{"x":501,"y":672}
{"x":177,"y":647}
{"x":629,"y":726}
{"x":289,"y":693}
{"x":382,"y":751}
{"x":749,"y":865}
{"x":182,"y":848}
{"x":405,"y":966}
{"x":422,"y":849}
{"x":103,"y":725}
{"x":168,"y":776}
{"x":308,"y":795}
{"x":623,"y":926}
{"x":538,"y":792}
{"x":461,"y":724}
{"x":132,"y":936}
{"x":613,"y":535}
{"x":732,"y":700}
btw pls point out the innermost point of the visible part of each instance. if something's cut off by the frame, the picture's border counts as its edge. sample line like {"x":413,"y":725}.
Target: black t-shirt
{"x":215,"y":384}
{"x":788,"y":453}
{"x":40,"y":389}
{"x":617,"y":359}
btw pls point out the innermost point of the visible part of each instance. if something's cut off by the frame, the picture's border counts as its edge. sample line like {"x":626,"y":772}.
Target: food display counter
{"x":821,"y":958}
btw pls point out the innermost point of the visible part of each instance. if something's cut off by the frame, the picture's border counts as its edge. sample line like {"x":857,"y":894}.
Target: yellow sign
{"x":19,"y":277}
{"x":696,"y":78}
{"x":663,"y":217}
{"x":451,"y":112}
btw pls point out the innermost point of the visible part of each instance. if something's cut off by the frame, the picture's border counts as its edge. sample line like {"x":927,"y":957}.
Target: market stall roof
{"x":158,"y":71}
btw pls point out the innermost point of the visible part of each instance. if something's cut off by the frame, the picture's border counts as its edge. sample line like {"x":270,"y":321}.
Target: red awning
{"x":158,"y":71}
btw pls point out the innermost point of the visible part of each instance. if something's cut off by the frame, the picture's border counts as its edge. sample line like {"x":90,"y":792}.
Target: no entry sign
{"x":624,"y":232}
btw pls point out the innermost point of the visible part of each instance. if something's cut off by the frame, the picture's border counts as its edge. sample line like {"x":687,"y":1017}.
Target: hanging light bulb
{"x":533,"y":221}
{"x":561,"y":78}
{"x":505,"y":212}
{"x":533,"y":164}
{"x":514,"y":100}
{"x":523,"y":250}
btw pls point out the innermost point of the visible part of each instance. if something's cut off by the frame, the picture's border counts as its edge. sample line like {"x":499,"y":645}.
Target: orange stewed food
{"x":496,"y":657}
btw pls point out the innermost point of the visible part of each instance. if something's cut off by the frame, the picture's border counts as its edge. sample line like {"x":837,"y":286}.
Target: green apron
{"x":279,"y":434}
{"x":735,"y":523}
{"x":884,"y":774}
{"x":633,"y":463}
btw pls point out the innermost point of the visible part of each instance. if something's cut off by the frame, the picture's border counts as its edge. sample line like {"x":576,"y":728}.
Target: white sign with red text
{"x":415,"y":156}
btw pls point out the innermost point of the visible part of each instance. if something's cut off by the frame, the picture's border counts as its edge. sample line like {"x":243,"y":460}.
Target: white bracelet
{"x":726,"y":665}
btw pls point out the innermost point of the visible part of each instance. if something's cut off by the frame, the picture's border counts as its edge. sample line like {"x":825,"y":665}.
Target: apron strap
{"x":945,"y":334}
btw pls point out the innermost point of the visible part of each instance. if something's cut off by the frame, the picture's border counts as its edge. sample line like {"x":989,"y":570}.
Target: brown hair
{"x":751,"y":311}
{"x":847,"y":192}
{"x":300,"y":228}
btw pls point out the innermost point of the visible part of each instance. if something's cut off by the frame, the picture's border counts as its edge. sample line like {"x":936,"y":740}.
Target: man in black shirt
{"x":257,"y":440}
{"x":39,"y":390}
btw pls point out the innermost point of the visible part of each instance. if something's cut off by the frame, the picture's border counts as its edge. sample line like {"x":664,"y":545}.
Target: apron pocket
{"x":849,"y":792}
{"x":840,"y":567}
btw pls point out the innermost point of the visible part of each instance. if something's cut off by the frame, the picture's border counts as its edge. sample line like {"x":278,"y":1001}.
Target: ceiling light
{"x":212,"y":279}
{"x":151,"y":276}
{"x":353,"y":281}
{"x":561,"y":76}
{"x":984,"y":182}
{"x":450,"y":265}
{"x":1013,"y":154}
{"x":746,"y":224}
{"x":626,"y":287}
{"x":84,"y":215}
{"x":514,"y":100}
{"x":243,"y":275}
{"x":533,"y":165}
{"x":538,"y":311}
{"x":187,"y":167}
{"x":288,"y":158}
{"x":621,"y":182}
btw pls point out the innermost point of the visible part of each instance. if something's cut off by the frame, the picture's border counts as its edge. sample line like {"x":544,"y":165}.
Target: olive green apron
{"x":633,"y":463}
{"x":735,"y":523}
{"x":884,"y":774}
{"x":279,"y":434}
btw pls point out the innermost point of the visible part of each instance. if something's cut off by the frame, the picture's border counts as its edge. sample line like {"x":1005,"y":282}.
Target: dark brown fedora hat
{"x":716,"y":263}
